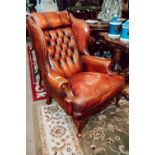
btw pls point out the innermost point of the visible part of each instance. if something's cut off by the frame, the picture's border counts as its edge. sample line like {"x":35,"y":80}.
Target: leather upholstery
{"x":80,"y":83}
{"x":51,"y":20}
{"x":88,"y":97}
{"x":96,"y":64}
{"x":62,"y":52}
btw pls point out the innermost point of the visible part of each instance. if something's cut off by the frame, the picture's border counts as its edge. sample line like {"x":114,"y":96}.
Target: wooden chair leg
{"x":80,"y":125}
{"x":49,"y":99}
{"x":117,"y":98}
{"x":125,"y":94}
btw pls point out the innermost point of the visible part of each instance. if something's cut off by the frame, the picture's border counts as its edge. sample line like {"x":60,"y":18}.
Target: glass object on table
{"x":110,"y":8}
{"x":125,"y":32}
{"x":30,"y":6}
{"x":46,"y":5}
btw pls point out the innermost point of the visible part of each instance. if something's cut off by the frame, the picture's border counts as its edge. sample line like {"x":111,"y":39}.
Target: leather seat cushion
{"x":92,"y":89}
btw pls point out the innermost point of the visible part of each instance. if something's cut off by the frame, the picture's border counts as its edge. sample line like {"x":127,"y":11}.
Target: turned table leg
{"x":117,"y":58}
{"x":125,"y":92}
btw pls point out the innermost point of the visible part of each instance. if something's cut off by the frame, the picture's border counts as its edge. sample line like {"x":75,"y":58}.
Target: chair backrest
{"x":61,"y":50}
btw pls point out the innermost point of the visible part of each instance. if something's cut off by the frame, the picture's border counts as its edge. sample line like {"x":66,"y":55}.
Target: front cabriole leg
{"x":79,"y":122}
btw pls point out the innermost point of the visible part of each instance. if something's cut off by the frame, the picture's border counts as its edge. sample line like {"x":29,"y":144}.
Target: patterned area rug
{"x":37,"y":85}
{"x":105,"y":134}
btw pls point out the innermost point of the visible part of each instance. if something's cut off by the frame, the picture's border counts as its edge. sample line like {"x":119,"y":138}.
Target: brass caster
{"x":79,"y":135}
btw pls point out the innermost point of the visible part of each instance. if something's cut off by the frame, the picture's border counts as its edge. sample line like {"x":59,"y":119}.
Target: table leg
{"x":125,"y":92}
{"x":117,"y":58}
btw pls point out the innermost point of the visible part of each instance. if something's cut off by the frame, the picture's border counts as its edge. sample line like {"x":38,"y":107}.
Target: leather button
{"x":59,"y":41}
{"x":48,"y":43}
{"x":53,"y":34}
{"x":52,"y":44}
{"x":65,"y":39}
{"x":51,"y":51}
{"x":57,"y":34}
{"x":50,"y":36}
{"x":64,"y":32}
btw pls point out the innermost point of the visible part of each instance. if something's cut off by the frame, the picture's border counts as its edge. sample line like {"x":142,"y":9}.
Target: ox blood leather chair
{"x":80,"y":83}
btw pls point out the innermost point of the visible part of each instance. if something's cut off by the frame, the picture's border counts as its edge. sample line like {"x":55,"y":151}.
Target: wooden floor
{"x":30,"y":136}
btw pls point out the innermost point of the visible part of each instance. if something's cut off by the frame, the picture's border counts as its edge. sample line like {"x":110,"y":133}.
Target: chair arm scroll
{"x":59,"y":83}
{"x":97,"y":64}
{"x":56,"y":81}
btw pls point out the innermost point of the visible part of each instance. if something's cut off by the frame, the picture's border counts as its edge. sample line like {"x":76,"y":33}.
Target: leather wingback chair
{"x":80,"y":83}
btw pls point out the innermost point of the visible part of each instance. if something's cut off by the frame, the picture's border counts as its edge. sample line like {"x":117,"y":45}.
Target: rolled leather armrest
{"x":97,"y":64}
{"x":59,"y":83}
{"x":56,"y":81}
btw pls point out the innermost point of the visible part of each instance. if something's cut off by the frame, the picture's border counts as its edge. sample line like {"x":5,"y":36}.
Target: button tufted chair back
{"x":61,"y":51}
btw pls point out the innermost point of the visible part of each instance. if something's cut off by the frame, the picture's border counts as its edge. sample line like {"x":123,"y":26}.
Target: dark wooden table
{"x":85,"y":11}
{"x":95,"y":46}
{"x":99,"y":26}
{"x":114,"y":43}
{"x":118,"y":47}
